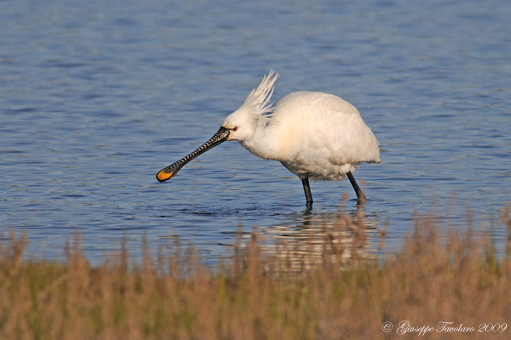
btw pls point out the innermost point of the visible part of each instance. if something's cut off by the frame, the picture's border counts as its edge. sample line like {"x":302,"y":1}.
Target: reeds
{"x":327,"y":290}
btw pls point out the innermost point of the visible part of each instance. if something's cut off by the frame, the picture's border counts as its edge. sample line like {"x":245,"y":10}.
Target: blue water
{"x":96,"y":97}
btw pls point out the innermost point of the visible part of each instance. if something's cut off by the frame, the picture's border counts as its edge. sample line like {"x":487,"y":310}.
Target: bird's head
{"x":241,"y":125}
{"x":243,"y":122}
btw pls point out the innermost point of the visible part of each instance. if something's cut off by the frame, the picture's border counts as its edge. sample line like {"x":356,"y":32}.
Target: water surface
{"x":96,"y":97}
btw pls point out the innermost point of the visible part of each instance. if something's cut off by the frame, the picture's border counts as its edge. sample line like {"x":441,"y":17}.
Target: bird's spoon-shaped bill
{"x":220,"y":136}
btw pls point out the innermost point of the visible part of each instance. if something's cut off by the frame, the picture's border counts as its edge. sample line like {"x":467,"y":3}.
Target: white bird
{"x":315,"y":135}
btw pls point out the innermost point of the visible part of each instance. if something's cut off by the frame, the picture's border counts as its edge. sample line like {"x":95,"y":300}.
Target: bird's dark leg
{"x":307,"y":189}
{"x":361,"y":198}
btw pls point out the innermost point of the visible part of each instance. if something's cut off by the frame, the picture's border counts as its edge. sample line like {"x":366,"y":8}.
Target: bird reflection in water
{"x":341,"y":239}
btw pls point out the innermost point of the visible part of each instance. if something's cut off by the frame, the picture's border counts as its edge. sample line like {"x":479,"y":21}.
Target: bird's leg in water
{"x":307,"y":189}
{"x":361,"y":198}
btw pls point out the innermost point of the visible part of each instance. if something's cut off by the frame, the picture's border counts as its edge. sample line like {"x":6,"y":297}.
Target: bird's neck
{"x":264,"y":142}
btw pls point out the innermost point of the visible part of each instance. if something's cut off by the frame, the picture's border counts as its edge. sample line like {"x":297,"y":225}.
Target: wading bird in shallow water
{"x":315,"y":135}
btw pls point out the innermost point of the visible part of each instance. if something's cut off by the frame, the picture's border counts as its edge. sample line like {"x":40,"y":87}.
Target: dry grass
{"x":289,"y":293}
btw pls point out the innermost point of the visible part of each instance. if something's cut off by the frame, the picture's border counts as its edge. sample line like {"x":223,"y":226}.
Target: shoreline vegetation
{"x":326,"y":289}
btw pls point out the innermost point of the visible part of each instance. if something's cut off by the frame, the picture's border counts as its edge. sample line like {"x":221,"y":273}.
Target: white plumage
{"x":315,"y":135}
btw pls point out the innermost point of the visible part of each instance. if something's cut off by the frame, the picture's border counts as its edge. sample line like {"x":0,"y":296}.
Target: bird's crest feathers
{"x":258,"y":101}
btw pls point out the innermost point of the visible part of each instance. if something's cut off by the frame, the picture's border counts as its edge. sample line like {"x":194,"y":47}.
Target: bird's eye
{"x":235,"y":128}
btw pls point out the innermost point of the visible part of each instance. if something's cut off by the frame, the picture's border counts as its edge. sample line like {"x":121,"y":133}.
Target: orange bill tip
{"x":163,"y":176}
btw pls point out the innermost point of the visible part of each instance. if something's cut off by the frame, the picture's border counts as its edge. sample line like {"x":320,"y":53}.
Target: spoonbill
{"x":315,"y":135}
